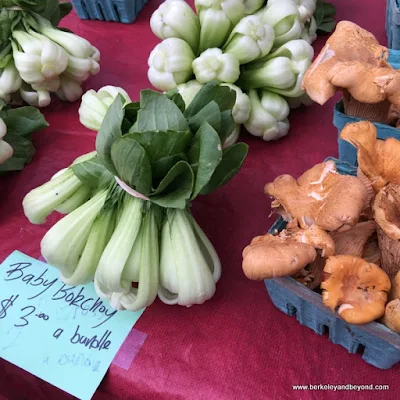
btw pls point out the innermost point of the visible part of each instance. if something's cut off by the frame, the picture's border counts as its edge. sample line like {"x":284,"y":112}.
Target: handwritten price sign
{"x":65,"y":335}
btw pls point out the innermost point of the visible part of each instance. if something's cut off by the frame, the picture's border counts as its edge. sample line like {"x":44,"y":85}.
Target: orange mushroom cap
{"x":392,"y":315}
{"x":387,"y":210}
{"x":366,"y":83}
{"x":349,"y":42}
{"x":378,"y":160}
{"x":357,"y":287}
{"x":285,"y":254}
{"x":319,"y":197}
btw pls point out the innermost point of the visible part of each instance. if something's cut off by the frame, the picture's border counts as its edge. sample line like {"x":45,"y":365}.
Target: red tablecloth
{"x":237,"y":346}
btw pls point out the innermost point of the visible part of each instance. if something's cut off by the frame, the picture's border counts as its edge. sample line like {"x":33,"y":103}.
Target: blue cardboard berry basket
{"x":124,"y":11}
{"x":393,"y":23}
{"x":378,"y":345}
{"x":347,"y":152}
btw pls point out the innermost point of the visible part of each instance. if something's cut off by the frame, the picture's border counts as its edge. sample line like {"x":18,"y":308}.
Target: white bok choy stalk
{"x":309,"y":32}
{"x":36,"y":57}
{"x":99,"y":235}
{"x":6,"y":151}
{"x":108,"y":277}
{"x":35,"y":98}
{"x":74,"y":45}
{"x":79,"y":69}
{"x":75,"y":200}
{"x":300,"y":53}
{"x":251,"y":6}
{"x":268,"y":116}
{"x":232,"y":138}
{"x":306,"y":9}
{"x":64,"y":243}
{"x":250,"y":39}
{"x":69,"y":90}
{"x":284,"y":17}
{"x":50,"y":85}
{"x":276,"y":73}
{"x":213,"y":65}
{"x":142,"y":266}
{"x":170,"y":63}
{"x":215,"y":23}
{"x":10,"y":80}
{"x":189,"y":264}
{"x":176,"y":19}
{"x":40,"y":202}
{"x":189,"y":90}
{"x":241,"y":108}
{"x":281,"y":71}
{"x":94,"y":105}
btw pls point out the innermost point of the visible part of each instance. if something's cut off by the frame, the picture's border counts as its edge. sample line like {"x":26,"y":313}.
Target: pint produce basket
{"x":378,"y":345}
{"x":124,"y":11}
{"x":393,"y":24}
{"x":347,"y":152}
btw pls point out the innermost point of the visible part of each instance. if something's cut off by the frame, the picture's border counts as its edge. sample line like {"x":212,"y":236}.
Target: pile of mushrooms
{"x":353,"y":61}
{"x":342,"y":233}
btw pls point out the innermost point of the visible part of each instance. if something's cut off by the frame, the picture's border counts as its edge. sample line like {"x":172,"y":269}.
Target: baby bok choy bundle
{"x":260,"y":49}
{"x":128,"y":226}
{"x":16,"y":129}
{"x":37,"y":58}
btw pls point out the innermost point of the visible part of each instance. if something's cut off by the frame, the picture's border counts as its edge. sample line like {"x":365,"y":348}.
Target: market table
{"x":237,"y":345}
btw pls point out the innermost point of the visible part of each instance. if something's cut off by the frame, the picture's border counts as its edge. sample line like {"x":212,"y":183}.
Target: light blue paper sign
{"x":65,"y":335}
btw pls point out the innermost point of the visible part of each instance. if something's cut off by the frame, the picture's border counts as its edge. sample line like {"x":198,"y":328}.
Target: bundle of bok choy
{"x":129,"y":227}
{"x":262,"y":51}
{"x":16,"y":129}
{"x":37,"y":58}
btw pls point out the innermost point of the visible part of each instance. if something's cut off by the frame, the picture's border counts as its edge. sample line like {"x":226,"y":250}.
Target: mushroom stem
{"x":377,"y":112}
{"x":312,"y":275}
{"x":390,"y":253}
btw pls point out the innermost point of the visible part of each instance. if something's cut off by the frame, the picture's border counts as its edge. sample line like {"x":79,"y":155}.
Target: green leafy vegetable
{"x":159,"y":113}
{"x":231,"y":163}
{"x":325,"y":16}
{"x":210,"y":113}
{"x":222,"y":95}
{"x":132,"y":164}
{"x":17,"y":126}
{"x":92,"y":173}
{"x":175,"y":189}
{"x":116,"y":237}
{"x":204,"y":153}
{"x":159,"y":145}
{"x":23,"y":121}
{"x":109,"y":132}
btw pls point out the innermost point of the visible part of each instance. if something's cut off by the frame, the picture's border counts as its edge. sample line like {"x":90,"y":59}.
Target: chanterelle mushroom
{"x":387,"y":216}
{"x":353,"y":241}
{"x":321,"y":196}
{"x":395,"y":291}
{"x":353,"y":60}
{"x":358,"y":288}
{"x":371,"y":252}
{"x":378,"y":160}
{"x":284,"y":254}
{"x":392,"y":315}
